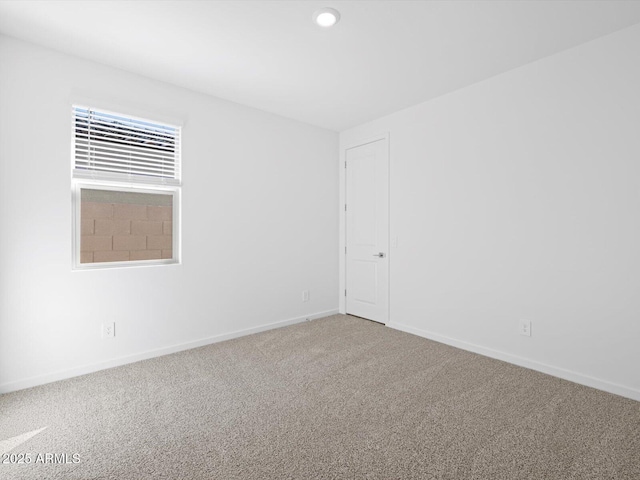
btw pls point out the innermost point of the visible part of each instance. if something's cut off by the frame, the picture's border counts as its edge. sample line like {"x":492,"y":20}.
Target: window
{"x":126,"y":190}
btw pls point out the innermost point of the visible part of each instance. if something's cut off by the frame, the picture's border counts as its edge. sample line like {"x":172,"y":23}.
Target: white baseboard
{"x":565,"y":374}
{"x":136,"y":357}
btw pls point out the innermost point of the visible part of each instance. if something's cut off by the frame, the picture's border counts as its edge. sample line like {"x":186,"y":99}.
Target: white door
{"x":367,"y":230}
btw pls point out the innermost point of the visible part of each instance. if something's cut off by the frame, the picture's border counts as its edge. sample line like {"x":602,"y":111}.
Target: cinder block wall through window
{"x":125,"y":226}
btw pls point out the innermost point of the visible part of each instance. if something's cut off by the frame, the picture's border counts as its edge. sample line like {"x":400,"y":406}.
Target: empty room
{"x":245,"y":240}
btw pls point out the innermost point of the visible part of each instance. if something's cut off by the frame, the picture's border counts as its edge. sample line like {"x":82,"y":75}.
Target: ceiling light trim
{"x":326,"y":17}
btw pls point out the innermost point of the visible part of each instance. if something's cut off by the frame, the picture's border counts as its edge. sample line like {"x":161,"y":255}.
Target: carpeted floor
{"x":335,"y":398}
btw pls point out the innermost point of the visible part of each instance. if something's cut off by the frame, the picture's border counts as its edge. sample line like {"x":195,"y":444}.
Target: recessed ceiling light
{"x":326,"y":17}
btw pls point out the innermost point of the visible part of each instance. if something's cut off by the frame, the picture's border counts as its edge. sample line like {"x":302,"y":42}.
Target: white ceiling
{"x":383,"y":55}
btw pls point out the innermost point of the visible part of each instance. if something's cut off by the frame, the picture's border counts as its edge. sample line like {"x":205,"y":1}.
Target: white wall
{"x":259,"y":214}
{"x":519,"y":198}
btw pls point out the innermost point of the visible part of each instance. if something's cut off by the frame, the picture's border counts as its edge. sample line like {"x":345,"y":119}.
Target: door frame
{"x":342,"y":264}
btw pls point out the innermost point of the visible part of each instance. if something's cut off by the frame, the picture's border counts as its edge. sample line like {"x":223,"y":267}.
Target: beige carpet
{"x":336,"y":398}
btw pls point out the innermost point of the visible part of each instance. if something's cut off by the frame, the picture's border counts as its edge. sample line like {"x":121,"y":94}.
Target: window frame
{"x":124,"y":183}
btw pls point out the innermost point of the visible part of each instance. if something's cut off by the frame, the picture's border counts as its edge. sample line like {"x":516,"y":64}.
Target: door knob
{"x":380,"y":255}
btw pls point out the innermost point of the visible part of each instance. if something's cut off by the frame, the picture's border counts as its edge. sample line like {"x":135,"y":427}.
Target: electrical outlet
{"x":109,"y":330}
{"x":525,"y":328}
{"x":305,"y":295}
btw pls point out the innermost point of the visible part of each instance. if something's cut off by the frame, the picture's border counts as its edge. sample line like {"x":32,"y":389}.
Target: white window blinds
{"x":108,"y":145}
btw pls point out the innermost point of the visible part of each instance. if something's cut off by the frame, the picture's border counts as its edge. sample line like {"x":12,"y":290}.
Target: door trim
{"x":342,"y":265}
